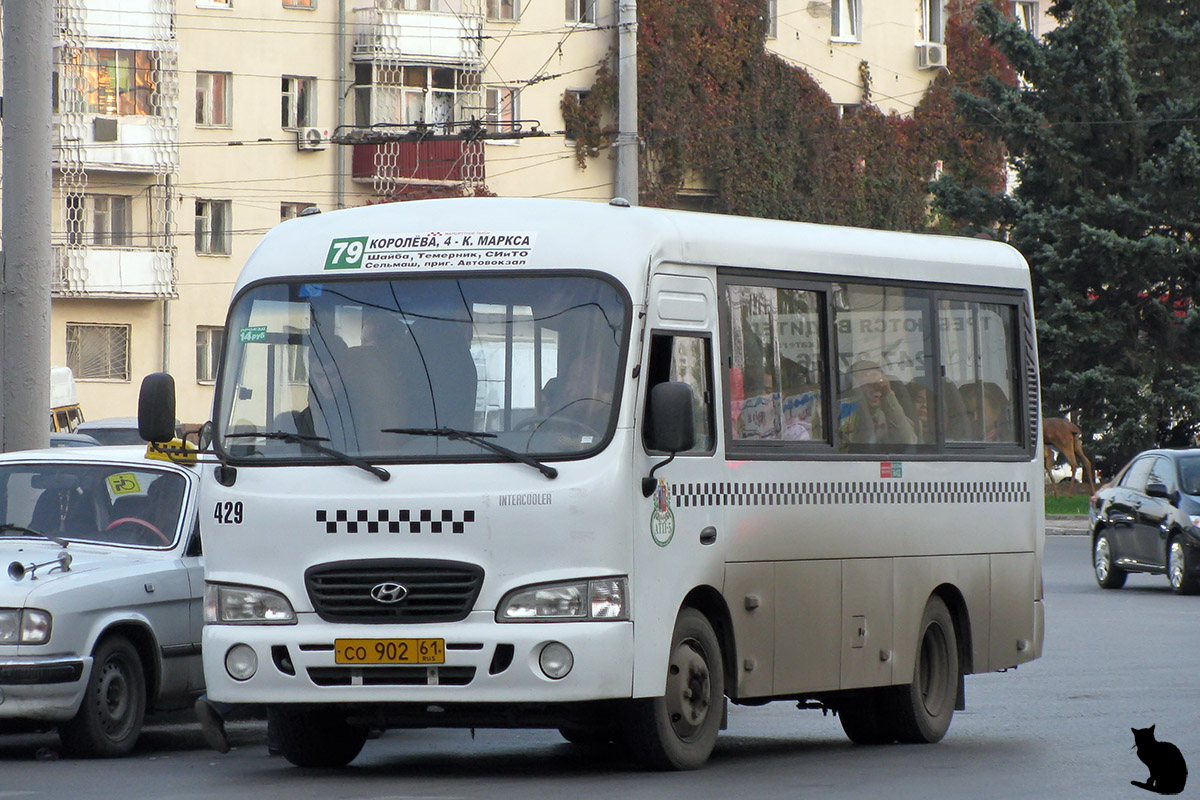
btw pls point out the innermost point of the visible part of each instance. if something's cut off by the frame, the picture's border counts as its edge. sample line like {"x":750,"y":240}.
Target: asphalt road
{"x":1056,"y":728}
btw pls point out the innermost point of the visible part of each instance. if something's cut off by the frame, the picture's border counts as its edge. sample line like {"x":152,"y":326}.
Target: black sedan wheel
{"x":1180,"y":567}
{"x":1108,"y":575}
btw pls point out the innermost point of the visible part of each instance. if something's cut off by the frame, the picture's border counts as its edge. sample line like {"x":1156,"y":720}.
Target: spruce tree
{"x":1103,"y":136}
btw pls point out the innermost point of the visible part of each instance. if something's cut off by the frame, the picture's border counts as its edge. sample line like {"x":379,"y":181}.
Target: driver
{"x":583,"y":393}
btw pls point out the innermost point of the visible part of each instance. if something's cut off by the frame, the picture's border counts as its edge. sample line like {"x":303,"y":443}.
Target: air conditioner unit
{"x":312,"y":139}
{"x":931,"y":55}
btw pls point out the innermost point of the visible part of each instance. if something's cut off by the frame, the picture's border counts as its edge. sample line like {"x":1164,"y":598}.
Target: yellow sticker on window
{"x":124,"y":483}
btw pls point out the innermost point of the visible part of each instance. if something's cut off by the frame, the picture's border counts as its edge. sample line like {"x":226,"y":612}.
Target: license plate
{"x":389,"y":651}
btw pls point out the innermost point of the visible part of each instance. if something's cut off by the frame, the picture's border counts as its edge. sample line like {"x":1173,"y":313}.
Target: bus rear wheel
{"x":679,"y":730}
{"x":866,"y":717}
{"x":922,"y":710}
{"x":315,"y":737}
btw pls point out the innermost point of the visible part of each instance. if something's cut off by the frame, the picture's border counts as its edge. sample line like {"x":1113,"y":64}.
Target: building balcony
{"x":429,"y":37}
{"x":108,"y":20}
{"x":440,"y":161}
{"x":115,"y":144}
{"x":119,"y":273}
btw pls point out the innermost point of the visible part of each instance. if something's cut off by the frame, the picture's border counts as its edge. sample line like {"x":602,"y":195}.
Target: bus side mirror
{"x":669,"y":425}
{"x":156,"y":408}
{"x":672,"y":428}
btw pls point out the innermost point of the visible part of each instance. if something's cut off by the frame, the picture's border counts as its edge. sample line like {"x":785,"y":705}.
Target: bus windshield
{"x":389,"y":369}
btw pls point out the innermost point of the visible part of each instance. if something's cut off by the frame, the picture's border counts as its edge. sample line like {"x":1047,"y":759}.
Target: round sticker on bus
{"x":662,"y":519}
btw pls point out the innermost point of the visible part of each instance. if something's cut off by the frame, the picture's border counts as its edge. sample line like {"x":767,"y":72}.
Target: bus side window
{"x":687,"y":359}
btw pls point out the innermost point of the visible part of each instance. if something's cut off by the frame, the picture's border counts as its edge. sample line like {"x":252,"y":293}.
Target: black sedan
{"x":1148,"y":520}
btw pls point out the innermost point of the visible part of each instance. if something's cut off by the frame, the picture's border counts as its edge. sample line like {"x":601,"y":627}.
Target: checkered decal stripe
{"x":821,"y":493}
{"x":385,"y":520}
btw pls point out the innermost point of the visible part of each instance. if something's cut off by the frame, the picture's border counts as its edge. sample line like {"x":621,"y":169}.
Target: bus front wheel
{"x":679,"y":730}
{"x":922,"y":710}
{"x":312,"y":737}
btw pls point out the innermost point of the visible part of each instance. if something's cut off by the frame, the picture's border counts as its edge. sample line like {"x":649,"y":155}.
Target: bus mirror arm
{"x":648,"y":483}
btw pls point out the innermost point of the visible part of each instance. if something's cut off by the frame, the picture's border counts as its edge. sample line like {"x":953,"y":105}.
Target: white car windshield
{"x":104,"y":503}
{"x":400,"y":369}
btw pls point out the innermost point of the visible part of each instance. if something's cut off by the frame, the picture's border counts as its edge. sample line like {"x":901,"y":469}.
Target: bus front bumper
{"x":485,"y":662}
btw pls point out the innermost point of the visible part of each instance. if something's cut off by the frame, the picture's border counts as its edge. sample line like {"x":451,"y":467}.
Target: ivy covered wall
{"x":718,"y":111}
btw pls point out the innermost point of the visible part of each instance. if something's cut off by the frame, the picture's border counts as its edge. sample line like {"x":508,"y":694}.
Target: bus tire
{"x":317,"y":737}
{"x":679,"y":730}
{"x":865,"y":717}
{"x":110,"y":717}
{"x":922,"y":710}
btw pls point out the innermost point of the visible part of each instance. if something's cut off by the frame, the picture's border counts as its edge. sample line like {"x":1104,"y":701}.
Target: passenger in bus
{"x":871,"y":413}
{"x":922,"y":418}
{"x":989,"y":412}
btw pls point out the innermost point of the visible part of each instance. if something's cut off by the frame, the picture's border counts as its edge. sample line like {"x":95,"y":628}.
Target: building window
{"x":299,"y":3}
{"x":111,"y":219}
{"x":503,"y":10}
{"x":772,"y":13}
{"x":933,"y":21}
{"x":299,"y":102}
{"x":292,"y":210}
{"x":98,"y":352}
{"x":576,"y":98}
{"x":99,"y":219}
{"x":210,"y":339}
{"x":1026,"y":14}
{"x":212,"y":227}
{"x":846,"y":18}
{"x":110,"y":82}
{"x":581,"y":12}
{"x":502,"y":110}
{"x":214,"y":3}
{"x":212,"y":98}
{"x":411,"y":95}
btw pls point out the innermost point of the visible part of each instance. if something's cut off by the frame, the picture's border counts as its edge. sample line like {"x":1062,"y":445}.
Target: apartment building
{"x":184,"y":129}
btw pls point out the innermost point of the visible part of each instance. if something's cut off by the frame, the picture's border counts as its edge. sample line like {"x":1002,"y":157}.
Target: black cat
{"x":1168,"y":772}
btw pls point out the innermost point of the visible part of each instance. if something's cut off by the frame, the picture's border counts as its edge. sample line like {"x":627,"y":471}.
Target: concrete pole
{"x":25,"y":221}
{"x":626,"y":184}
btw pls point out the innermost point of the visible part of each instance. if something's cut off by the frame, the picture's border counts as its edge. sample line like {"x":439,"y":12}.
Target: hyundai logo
{"x":388,"y":592}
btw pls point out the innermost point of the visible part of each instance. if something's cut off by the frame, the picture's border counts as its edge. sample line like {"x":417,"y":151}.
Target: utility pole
{"x":25,"y":221}
{"x":626,"y":184}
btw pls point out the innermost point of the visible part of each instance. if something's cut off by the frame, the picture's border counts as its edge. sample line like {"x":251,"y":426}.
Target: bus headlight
{"x":596,"y":599}
{"x":24,"y":626}
{"x":225,"y":605}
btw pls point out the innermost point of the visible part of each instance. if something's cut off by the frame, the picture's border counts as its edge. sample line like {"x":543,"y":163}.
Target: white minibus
{"x":536,"y":463}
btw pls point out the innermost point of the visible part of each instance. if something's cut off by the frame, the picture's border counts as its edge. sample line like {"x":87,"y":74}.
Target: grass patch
{"x":1066,"y":503}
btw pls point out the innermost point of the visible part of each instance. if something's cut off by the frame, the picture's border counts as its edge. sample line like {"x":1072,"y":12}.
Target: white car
{"x":101,"y":593}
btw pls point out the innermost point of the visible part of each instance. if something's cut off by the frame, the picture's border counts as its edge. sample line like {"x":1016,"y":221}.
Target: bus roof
{"x":504,"y":233}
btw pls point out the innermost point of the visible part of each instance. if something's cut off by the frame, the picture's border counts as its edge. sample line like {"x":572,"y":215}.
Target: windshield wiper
{"x":8,"y":526}
{"x":314,"y":443}
{"x":480,"y":438}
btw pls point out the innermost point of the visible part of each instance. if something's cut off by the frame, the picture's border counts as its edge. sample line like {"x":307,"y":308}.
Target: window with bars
{"x":210,"y":340}
{"x":298,"y":102}
{"x":212,"y":227}
{"x":98,"y":352}
{"x":99,"y":219}
{"x":212,"y":98}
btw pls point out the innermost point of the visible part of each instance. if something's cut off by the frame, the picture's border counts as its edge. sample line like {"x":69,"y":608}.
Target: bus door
{"x":678,"y":529}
